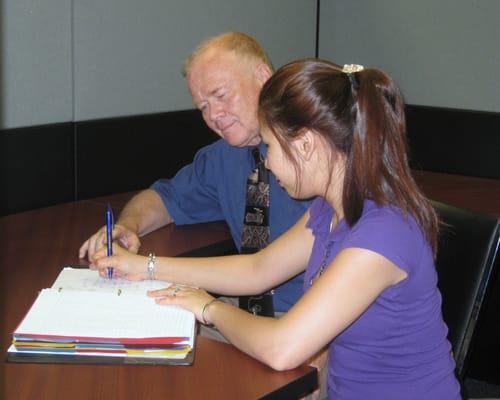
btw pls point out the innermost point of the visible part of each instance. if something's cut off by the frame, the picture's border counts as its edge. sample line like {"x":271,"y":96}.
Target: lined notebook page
{"x":86,"y":279}
{"x":106,"y":315}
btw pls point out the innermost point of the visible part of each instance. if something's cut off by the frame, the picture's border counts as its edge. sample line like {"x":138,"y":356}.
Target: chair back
{"x":466,"y":263}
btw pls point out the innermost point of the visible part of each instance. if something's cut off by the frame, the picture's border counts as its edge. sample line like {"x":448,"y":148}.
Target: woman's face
{"x":310,"y":173}
{"x":280,"y":165}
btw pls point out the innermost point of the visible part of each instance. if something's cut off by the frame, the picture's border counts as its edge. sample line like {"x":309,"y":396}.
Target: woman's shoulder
{"x":389,"y":231}
{"x":388,"y":219}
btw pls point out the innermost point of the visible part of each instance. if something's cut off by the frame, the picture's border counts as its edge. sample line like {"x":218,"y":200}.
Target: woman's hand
{"x":125,"y":264}
{"x":189,"y":298}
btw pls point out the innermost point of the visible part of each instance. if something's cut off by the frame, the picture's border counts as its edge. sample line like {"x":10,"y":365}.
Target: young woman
{"x":368,"y":240}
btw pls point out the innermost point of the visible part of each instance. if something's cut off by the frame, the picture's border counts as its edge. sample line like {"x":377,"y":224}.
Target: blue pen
{"x":109,"y":236}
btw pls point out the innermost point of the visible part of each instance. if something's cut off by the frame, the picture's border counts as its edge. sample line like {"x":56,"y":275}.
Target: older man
{"x":225,"y":75}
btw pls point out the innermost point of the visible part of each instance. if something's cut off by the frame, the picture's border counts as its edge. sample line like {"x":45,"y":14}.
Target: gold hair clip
{"x":352,"y":68}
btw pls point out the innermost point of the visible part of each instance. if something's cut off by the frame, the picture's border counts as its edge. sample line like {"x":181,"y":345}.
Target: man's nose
{"x":216,"y":111}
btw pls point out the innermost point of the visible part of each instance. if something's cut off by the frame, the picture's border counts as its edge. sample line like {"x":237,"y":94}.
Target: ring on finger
{"x":175,"y":291}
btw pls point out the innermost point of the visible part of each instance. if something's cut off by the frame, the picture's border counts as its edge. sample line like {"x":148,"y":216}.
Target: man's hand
{"x":144,"y":213}
{"x":127,"y":239}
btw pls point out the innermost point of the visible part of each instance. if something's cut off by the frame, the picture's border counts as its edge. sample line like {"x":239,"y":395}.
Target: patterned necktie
{"x":256,"y":234}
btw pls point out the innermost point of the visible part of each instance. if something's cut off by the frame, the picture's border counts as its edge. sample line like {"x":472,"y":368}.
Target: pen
{"x":109,"y":236}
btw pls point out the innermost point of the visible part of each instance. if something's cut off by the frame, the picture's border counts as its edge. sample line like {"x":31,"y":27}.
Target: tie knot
{"x":256,"y":156}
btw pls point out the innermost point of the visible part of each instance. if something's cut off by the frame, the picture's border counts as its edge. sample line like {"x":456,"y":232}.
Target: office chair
{"x":466,"y":264}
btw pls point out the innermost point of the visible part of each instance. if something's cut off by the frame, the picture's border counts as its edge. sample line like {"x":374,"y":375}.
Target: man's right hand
{"x":125,"y":236}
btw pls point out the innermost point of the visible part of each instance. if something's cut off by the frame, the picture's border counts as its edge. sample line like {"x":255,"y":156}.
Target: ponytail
{"x":378,"y":161}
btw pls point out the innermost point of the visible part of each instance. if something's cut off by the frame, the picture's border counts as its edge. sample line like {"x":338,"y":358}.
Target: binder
{"x":84,"y":318}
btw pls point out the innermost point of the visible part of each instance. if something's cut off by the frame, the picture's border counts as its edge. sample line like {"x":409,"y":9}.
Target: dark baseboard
{"x":453,"y":141}
{"x":51,"y":164}
{"x":130,"y":153}
{"x":37,"y":167}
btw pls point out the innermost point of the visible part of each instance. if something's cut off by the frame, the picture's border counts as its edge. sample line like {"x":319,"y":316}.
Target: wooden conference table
{"x":33,"y":248}
{"x":35,"y":245}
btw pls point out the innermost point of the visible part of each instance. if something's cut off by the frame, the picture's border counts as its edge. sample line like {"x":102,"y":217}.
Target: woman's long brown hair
{"x":361,"y":115}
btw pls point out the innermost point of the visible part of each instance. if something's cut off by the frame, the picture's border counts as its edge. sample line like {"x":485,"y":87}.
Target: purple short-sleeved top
{"x":397,"y":348}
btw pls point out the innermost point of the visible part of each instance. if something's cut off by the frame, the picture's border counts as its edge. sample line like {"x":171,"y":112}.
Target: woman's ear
{"x":305,"y":143}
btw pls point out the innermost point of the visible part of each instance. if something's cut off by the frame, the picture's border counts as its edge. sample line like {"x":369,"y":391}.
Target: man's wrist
{"x":129,"y":225}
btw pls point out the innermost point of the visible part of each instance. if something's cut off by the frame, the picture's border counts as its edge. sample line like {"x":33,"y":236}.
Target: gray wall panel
{"x":64,"y":60}
{"x":442,"y":53}
{"x":129,"y":54}
{"x":35,"y":72}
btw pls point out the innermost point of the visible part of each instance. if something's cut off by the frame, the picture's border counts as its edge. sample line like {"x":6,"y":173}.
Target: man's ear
{"x":305,"y":143}
{"x":262,"y":72}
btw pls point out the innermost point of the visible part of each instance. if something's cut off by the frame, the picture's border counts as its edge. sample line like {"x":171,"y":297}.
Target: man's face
{"x":226,"y":90}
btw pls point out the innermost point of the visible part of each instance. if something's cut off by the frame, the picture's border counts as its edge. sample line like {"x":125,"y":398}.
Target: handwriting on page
{"x":89,"y":280}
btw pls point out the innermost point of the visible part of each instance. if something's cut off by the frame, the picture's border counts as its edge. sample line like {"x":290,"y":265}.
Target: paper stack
{"x":116,"y":321}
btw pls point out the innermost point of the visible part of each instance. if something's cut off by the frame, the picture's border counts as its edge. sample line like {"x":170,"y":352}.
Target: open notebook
{"x":86,"y":318}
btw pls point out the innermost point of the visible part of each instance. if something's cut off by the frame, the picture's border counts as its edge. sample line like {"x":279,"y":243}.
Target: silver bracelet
{"x":151,"y":266}
{"x":203,"y":319}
